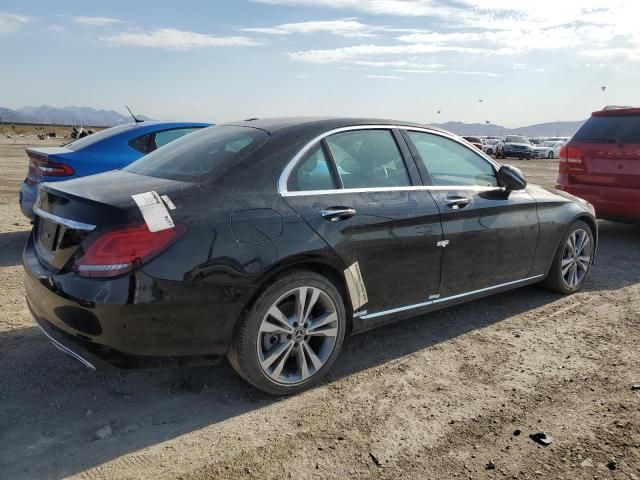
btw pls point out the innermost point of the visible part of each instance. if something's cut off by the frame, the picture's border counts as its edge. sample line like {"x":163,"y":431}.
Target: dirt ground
{"x":453,"y":394}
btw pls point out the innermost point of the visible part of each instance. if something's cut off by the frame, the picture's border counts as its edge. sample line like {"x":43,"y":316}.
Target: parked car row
{"x":269,"y":241}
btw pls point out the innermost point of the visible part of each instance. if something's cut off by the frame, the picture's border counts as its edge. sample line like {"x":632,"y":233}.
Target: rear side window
{"x":192,"y":158}
{"x":368,"y":159}
{"x":450,"y":163}
{"x":313,"y":173}
{"x":167,"y":136}
{"x":142,"y":143}
{"x":622,"y":129}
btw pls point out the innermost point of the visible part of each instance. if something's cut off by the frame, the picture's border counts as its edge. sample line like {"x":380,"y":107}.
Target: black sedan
{"x":269,"y":241}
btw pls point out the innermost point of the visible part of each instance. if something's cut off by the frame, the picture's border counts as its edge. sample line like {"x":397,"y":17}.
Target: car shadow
{"x":619,"y":247}
{"x":11,"y":246}
{"x":54,"y":408}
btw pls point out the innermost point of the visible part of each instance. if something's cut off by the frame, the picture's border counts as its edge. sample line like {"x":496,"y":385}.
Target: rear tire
{"x":572,"y":261}
{"x":277,"y":352}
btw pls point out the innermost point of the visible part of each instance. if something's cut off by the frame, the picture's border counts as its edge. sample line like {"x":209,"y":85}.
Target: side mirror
{"x":511,"y":178}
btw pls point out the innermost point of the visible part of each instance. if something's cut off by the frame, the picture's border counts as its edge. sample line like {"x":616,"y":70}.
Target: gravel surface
{"x":454,"y":394}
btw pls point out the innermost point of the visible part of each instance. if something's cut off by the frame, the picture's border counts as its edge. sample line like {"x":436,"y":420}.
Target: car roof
{"x":616,"y":112}
{"x":321,"y":124}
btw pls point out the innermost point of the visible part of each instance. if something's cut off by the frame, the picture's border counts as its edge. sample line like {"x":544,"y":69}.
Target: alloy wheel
{"x":576,"y":258}
{"x":297,"y":335}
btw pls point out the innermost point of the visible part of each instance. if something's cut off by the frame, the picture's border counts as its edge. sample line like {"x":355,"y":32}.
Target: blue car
{"x":108,"y":149}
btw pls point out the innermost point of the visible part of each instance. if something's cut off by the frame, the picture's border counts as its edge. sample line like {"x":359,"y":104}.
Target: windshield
{"x":196,"y":155}
{"x":549,"y":144}
{"x":98,"y":136}
{"x":472,"y":139}
{"x":511,"y":139}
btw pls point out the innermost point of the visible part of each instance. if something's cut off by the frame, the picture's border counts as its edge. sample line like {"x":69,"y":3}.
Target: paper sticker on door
{"x":355,"y":284}
{"x":153,"y":210}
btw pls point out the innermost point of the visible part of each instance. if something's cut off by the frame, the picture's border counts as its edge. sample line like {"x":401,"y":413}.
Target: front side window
{"x":313,"y":173}
{"x":450,"y":163}
{"x":368,"y":159}
{"x":193,"y":157}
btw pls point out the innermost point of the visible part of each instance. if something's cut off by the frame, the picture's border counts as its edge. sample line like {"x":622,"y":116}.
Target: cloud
{"x":359,"y":53}
{"x":457,"y":72}
{"x":346,"y":27}
{"x":172,"y":39}
{"x":584,"y":27}
{"x":11,"y":22}
{"x":385,"y":77}
{"x":57,"y":28}
{"x":409,"y":8}
{"x":96,"y":21}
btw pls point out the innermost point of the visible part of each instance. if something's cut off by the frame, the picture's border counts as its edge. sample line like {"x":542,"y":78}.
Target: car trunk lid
{"x":47,"y":161}
{"x":68,"y":212}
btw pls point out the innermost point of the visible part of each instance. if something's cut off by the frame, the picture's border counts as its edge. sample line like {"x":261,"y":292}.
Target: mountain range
{"x":92,"y":117}
{"x":47,"y":114}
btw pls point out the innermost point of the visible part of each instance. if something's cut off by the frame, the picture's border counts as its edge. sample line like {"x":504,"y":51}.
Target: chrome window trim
{"x":64,"y":221}
{"x":446,"y":299}
{"x":426,"y":188}
{"x":286,"y":172}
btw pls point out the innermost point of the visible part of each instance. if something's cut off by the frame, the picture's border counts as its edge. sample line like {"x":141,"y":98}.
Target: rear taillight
{"x":38,"y":168}
{"x":119,"y":251}
{"x":571,"y":160}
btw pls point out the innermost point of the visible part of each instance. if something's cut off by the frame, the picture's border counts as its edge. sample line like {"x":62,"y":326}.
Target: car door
{"x":490,"y":233}
{"x":359,"y":189}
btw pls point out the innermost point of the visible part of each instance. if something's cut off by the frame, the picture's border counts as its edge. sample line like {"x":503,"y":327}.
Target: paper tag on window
{"x":153,"y":210}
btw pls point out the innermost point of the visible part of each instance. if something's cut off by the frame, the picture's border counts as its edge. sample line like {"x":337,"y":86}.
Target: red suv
{"x":601,"y":164}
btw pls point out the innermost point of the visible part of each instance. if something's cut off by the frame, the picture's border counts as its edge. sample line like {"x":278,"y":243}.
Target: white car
{"x":489,"y":145}
{"x":548,"y":150}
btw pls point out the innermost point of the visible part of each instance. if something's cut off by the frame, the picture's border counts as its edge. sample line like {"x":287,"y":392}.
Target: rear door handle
{"x":335,"y":214}
{"x":457,"y":203}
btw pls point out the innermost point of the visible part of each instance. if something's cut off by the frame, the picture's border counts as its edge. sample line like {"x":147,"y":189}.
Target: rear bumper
{"x":131,"y":321}
{"x":611,"y":203}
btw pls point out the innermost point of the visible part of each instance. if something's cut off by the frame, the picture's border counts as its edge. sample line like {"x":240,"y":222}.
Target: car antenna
{"x":136,"y":119}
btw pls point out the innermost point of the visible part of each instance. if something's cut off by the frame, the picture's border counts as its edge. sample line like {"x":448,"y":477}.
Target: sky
{"x":511,"y":63}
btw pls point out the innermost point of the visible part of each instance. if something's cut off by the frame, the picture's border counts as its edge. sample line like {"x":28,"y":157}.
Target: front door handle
{"x":457,"y":203}
{"x":335,"y":214}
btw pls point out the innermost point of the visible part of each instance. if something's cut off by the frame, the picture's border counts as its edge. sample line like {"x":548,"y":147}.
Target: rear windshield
{"x":193,"y":157}
{"x":623,"y":129}
{"x":98,"y":136}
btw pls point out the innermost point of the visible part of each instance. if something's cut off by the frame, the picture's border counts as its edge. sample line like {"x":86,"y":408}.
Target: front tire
{"x":572,"y":261}
{"x":550,"y":156}
{"x":291,"y":336}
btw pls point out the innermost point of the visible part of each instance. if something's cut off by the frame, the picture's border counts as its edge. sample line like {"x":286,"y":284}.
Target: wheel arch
{"x":330,"y":268}
{"x":592,"y":223}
